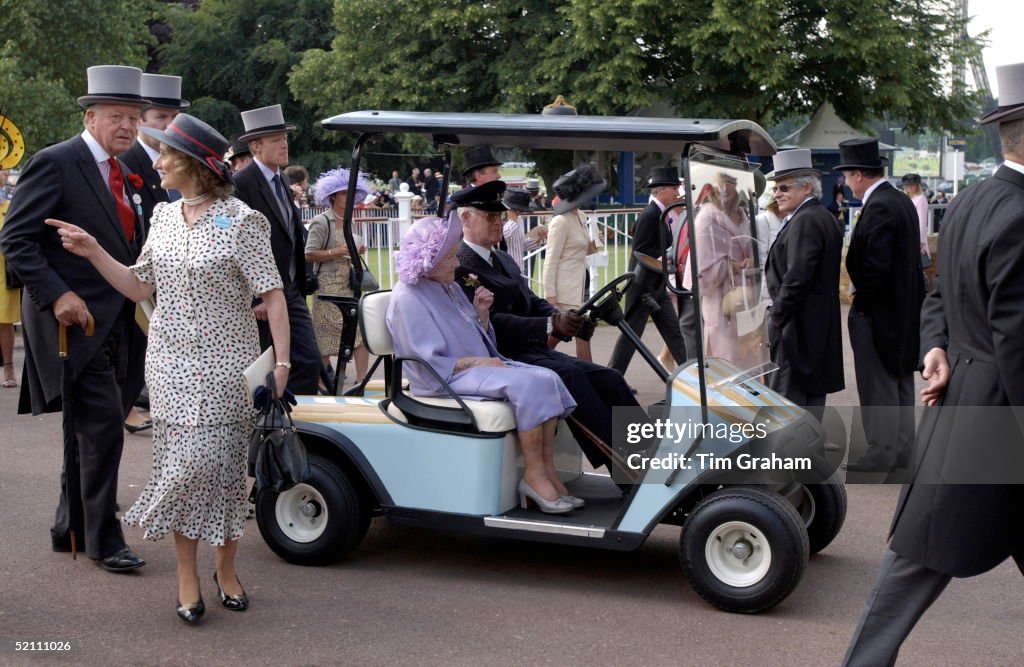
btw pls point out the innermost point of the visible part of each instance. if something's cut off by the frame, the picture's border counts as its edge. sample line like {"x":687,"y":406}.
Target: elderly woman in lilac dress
{"x":431,"y":318}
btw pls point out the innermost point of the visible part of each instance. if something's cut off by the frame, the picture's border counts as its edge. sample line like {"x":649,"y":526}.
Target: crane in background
{"x":981,"y":83}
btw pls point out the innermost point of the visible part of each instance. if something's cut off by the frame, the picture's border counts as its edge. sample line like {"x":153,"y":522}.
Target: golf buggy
{"x":453,"y":464}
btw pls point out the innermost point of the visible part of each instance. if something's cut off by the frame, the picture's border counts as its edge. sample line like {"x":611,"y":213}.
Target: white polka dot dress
{"x":202,"y":335}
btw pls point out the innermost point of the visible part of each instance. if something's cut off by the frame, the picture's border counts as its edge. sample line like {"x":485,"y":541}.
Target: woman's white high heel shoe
{"x":577,"y":503}
{"x":547,"y":506}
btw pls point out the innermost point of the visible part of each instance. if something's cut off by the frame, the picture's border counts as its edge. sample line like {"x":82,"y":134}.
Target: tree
{"x":764,"y":60}
{"x":43,"y":65}
{"x":235,"y":56}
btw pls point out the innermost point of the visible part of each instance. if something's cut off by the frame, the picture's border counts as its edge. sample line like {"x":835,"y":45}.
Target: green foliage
{"x":45,"y":50}
{"x":235,"y":56}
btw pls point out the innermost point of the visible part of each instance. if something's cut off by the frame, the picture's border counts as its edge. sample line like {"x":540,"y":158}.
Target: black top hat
{"x":663,"y":176}
{"x":237,"y":148}
{"x":911,"y":178}
{"x":479,"y":157}
{"x":486,"y":197}
{"x":578,"y":187}
{"x":196,"y":139}
{"x":860,"y":154}
{"x":518,"y":200}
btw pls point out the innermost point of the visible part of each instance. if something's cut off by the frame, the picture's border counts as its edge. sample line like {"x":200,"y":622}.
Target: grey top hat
{"x":163,"y":90}
{"x":518,"y":200}
{"x":792,"y":162}
{"x":263,"y":121}
{"x":578,"y":187}
{"x":860,"y":154}
{"x":113,"y":84}
{"x":663,"y":177}
{"x":532,"y":185}
{"x":479,"y":157}
{"x":1011,"y":95}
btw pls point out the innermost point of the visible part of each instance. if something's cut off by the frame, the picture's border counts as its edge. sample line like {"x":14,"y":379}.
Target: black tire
{"x":829,"y":512}
{"x":332,"y":495}
{"x":774,"y":522}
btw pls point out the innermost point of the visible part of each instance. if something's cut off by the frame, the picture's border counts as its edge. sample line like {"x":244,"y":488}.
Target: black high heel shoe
{"x":191,"y":613}
{"x":232,"y":602}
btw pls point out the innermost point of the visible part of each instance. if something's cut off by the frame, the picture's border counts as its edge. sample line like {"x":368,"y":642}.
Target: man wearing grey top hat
{"x":802,"y":275}
{"x":265,"y":187}
{"x":164,"y":95}
{"x":973,"y":356}
{"x":82,"y":181}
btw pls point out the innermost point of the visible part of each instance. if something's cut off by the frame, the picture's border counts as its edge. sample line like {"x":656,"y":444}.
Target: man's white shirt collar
{"x":485,"y":253}
{"x":786,"y":219}
{"x":869,"y":191}
{"x":266,"y":171}
{"x":98,"y":153}
{"x":151,"y":152}
{"x":1016,"y":166}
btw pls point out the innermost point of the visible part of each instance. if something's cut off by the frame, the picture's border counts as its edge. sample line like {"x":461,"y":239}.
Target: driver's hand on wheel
{"x":566,"y":325}
{"x":586,"y":331}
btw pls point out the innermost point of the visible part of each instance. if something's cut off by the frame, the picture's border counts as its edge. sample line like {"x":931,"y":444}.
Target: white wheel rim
{"x":301,"y":513}
{"x":738,"y":554}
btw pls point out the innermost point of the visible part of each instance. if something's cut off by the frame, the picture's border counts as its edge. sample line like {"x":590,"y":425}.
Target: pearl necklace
{"x":196,"y":201}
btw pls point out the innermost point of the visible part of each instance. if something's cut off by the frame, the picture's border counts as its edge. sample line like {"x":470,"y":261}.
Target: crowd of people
{"x":167,"y":208}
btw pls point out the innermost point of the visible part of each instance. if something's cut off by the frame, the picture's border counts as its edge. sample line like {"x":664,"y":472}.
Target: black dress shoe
{"x":142,"y":426}
{"x":124,"y":560}
{"x":232,"y":602}
{"x":191,"y":613}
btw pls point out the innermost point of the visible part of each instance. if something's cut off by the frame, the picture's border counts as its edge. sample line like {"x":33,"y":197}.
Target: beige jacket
{"x":565,"y":262}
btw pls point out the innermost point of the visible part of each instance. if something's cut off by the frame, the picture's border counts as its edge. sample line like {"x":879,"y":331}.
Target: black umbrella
{"x":72,"y":488}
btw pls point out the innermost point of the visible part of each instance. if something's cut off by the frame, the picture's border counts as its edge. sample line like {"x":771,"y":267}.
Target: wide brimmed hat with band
{"x":164,"y":91}
{"x":113,"y":84}
{"x":578,"y":187}
{"x":197,"y":140}
{"x":792,"y":163}
{"x":263,"y":121}
{"x":424,"y":245}
{"x":1011,"y":95}
{"x":860,"y":154}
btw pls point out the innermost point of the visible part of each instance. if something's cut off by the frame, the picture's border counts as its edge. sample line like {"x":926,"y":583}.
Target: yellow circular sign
{"x":12,"y":145}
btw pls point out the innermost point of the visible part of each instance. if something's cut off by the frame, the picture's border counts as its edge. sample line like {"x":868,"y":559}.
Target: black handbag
{"x":277,"y":457}
{"x":369,"y":283}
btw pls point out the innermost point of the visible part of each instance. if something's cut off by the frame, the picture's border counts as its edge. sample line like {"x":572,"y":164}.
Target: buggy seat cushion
{"x":490,"y":416}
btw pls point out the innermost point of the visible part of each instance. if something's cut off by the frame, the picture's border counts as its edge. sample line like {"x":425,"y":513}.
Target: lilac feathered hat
{"x":424,"y":245}
{"x":336,"y":180}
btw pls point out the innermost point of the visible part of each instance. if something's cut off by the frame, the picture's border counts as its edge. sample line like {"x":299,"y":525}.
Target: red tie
{"x":124,"y":211}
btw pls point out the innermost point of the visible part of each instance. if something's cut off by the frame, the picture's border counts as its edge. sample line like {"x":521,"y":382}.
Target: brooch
{"x":221,"y":221}
{"x":136,"y":199}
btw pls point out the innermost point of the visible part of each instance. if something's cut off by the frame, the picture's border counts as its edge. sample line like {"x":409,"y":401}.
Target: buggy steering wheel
{"x":609,"y":291}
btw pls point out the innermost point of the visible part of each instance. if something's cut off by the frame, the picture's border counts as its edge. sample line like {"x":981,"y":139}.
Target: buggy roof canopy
{"x":557,"y":132}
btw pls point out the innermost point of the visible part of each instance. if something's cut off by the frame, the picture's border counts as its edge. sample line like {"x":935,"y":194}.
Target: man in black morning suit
{"x":264,"y":186}
{"x":523,"y":321}
{"x":884,"y":265}
{"x":164,"y":95}
{"x":80,"y":181}
{"x":802,"y":275}
{"x":963,"y":512}
{"x":652,"y":238}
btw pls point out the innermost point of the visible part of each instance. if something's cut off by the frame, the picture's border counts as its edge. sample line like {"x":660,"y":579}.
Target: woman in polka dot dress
{"x":206,"y":256}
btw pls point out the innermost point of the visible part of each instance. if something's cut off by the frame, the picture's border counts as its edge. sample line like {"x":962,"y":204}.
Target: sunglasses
{"x":784,"y":188}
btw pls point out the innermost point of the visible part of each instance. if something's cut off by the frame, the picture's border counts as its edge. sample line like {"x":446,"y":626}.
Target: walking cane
{"x":70,"y":442}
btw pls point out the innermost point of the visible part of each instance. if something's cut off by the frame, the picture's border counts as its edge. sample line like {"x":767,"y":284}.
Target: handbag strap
{"x":327,"y":241}
{"x":277,"y":405}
